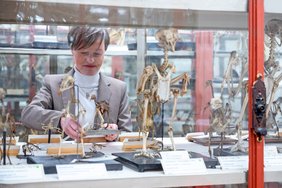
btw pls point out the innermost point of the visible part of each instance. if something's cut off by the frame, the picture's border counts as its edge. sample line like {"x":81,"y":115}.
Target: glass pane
{"x":182,"y":59}
{"x":273,"y":76}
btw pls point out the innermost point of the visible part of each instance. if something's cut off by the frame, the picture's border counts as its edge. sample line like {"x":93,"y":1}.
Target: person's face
{"x":88,"y":61}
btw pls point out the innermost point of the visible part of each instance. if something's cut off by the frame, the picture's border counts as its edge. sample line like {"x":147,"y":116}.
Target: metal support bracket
{"x":259,"y":108}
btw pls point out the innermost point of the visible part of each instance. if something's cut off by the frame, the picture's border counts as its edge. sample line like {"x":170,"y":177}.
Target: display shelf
{"x":130,"y":178}
{"x":33,"y":51}
{"x":193,"y":14}
{"x":36,"y":51}
{"x":196,"y":15}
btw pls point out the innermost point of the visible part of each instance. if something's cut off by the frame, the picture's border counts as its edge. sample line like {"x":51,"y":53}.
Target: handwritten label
{"x":21,"y":172}
{"x":81,"y":171}
{"x":234,"y":162}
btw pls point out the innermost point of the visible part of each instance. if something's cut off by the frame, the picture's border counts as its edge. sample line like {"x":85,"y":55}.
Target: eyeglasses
{"x":91,"y":55}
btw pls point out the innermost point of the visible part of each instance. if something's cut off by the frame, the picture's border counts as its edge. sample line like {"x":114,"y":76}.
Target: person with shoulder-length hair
{"x":88,"y":46}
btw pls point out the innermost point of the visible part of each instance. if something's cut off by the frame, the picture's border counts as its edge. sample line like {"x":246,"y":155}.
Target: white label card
{"x":81,"y":171}
{"x":174,"y":155}
{"x":270,"y":151}
{"x":21,"y":172}
{"x":188,"y":166}
{"x":234,"y":162}
{"x":273,"y":162}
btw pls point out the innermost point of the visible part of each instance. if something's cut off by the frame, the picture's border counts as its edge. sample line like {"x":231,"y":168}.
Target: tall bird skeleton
{"x":273,"y":76}
{"x":154,"y":88}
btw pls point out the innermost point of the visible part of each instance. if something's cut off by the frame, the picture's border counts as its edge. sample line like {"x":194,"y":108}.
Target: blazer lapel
{"x":104,"y":92}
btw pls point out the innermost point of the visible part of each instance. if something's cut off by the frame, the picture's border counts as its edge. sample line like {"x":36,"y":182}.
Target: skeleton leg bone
{"x":170,"y":127}
{"x":148,"y":71}
{"x":238,"y":146}
{"x":227,"y":78}
{"x":145,"y":132}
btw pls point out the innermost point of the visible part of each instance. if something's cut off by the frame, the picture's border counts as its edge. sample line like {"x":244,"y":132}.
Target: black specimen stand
{"x":141,"y":163}
{"x":162,"y":125}
{"x":4,"y":143}
{"x":50,"y":162}
{"x":227,"y":152}
{"x":49,"y":136}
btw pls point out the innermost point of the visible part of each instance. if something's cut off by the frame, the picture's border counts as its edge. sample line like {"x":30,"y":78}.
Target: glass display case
{"x":212,"y":48}
{"x":25,"y":62}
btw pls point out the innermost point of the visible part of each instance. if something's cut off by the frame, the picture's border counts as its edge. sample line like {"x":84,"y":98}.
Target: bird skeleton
{"x":239,"y":145}
{"x":66,"y":84}
{"x":273,"y":29}
{"x":219,"y":119}
{"x":101,"y":108}
{"x":154,"y":88}
{"x":8,"y":126}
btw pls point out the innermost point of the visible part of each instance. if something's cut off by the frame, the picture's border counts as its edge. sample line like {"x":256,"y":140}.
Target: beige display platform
{"x":133,"y":144}
{"x":129,"y":135}
{"x":38,"y":139}
{"x":64,"y":149}
{"x":190,"y":136}
{"x":12,"y":150}
{"x":13,"y":140}
{"x":93,"y":139}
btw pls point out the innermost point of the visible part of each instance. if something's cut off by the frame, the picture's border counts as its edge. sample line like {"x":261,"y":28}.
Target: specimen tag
{"x":178,"y":162}
{"x":21,"y":172}
{"x":233,"y":162}
{"x":81,"y":171}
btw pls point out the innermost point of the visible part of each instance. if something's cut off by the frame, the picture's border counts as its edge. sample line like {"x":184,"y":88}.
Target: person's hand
{"x":111,"y":137}
{"x":71,"y":127}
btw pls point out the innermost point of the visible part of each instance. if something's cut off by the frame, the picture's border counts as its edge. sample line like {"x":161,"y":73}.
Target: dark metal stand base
{"x":142,"y":164}
{"x":227,"y":152}
{"x":214,"y":141}
{"x":50,"y":162}
{"x":139,"y":164}
{"x":273,"y":139}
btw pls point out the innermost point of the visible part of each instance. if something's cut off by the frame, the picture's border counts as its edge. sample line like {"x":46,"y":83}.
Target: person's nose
{"x":90,"y":58}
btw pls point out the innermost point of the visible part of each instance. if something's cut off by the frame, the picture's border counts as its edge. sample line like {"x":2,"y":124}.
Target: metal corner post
{"x":256,"y":66}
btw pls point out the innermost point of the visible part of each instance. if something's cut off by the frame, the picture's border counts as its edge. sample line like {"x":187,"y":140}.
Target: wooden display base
{"x":39,"y":139}
{"x":14,"y":140}
{"x":13,"y":151}
{"x":65,"y":149}
{"x":190,"y":136}
{"x":273,"y":139}
{"x":215,"y":140}
{"x":134,"y":144}
{"x":93,"y":139}
{"x":129,"y":135}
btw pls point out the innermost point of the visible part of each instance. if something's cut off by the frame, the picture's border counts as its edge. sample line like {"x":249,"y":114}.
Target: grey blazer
{"x":47,"y":104}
